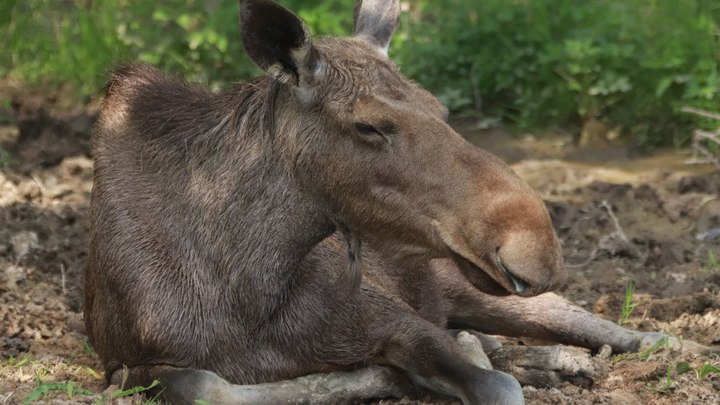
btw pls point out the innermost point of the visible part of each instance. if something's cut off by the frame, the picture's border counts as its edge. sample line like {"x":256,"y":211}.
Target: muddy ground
{"x":621,"y":216}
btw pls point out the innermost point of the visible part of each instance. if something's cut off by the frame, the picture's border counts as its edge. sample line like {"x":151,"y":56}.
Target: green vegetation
{"x":628,"y":303}
{"x":644,"y":355}
{"x":44,"y":388}
{"x":70,"y":390}
{"x":631,"y":64}
{"x":135,"y":390}
{"x":701,"y":373}
{"x":666,"y":384}
{"x":713,"y":264}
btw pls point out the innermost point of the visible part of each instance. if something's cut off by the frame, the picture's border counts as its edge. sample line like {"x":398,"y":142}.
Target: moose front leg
{"x":547,"y":317}
{"x":435,"y":360}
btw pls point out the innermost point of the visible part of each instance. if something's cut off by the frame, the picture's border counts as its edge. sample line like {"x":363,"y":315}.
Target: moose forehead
{"x":354,"y":72}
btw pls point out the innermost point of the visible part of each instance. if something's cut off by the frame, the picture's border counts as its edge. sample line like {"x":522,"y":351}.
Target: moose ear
{"x":276,"y":40}
{"x":376,"y":20}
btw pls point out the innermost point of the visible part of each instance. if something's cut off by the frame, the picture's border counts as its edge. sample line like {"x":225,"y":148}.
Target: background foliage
{"x":533,"y":63}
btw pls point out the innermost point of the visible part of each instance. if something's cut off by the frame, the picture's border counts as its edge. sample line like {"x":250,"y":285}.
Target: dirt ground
{"x":621,"y":217}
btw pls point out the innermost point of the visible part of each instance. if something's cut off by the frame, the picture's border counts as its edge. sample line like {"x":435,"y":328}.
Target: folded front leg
{"x":547,"y":317}
{"x":435,"y":360}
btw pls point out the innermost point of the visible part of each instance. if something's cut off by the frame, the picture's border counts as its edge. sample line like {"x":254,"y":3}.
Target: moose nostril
{"x":519,"y":284}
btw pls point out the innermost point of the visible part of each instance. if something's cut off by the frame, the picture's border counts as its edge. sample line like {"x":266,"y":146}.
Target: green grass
{"x":135,"y":390}
{"x":666,"y":384}
{"x":644,"y":355}
{"x":66,"y":387}
{"x":628,"y":303}
{"x":713,"y":264}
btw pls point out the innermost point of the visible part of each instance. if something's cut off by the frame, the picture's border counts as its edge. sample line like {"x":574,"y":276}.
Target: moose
{"x":310,"y":235}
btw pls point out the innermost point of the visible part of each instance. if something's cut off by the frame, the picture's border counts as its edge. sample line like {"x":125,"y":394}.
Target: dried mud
{"x":620,"y":218}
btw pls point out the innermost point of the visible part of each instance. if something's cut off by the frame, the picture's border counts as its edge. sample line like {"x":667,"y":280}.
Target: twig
{"x":618,"y":228}
{"x":62,"y":279}
{"x":700,"y":135}
{"x":594,"y":255}
{"x":619,"y":231}
{"x":7,"y":397}
{"x":39,"y":183}
{"x":702,"y":113}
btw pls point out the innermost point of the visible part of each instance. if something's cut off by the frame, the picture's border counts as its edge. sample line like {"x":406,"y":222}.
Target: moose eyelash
{"x":368,"y":130}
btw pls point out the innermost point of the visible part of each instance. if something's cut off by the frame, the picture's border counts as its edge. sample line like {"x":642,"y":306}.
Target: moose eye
{"x":366,"y":129}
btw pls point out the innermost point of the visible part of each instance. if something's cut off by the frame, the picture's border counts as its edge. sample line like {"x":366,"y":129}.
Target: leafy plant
{"x":701,"y":374}
{"x":713,"y":263}
{"x":644,"y":355}
{"x":44,"y":388}
{"x":135,"y":390}
{"x":665,"y":386}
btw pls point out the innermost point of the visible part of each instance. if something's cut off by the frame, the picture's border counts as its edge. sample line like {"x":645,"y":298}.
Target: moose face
{"x":377,"y":147}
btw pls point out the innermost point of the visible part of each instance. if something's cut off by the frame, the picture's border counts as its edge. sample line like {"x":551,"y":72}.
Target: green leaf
{"x":683,"y":367}
{"x":184,"y":21}
{"x":706,"y":369}
{"x":134,"y":390}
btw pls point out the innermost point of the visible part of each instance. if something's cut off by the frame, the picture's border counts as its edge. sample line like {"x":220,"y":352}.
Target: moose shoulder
{"x":223,"y":227}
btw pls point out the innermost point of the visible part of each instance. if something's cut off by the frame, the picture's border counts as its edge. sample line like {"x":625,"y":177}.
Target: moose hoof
{"x":547,"y":366}
{"x":496,"y":388}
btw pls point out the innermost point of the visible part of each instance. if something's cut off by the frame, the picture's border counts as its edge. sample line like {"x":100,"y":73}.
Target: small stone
{"x":12,"y":347}
{"x":29,"y":190}
{"x":605,"y":352}
{"x":23,"y":242}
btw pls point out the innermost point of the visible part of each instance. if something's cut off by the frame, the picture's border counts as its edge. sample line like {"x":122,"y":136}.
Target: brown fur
{"x":213,"y":239}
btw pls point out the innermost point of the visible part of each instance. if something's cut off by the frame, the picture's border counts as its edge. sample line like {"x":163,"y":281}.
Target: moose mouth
{"x":520,"y":284}
{"x":502,"y":281}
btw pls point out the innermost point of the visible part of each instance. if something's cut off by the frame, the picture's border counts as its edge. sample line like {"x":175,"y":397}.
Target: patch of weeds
{"x":706,"y":369}
{"x":89,"y":371}
{"x":155,"y":400}
{"x":713,"y":263}
{"x":665,"y":386}
{"x":6,"y":159}
{"x":25,"y":360}
{"x":644,"y":355}
{"x":87,"y":347}
{"x":663,"y":343}
{"x":44,"y":388}
{"x":701,"y":374}
{"x":628,"y":303}
{"x":202,"y":402}
{"x":134,"y":390}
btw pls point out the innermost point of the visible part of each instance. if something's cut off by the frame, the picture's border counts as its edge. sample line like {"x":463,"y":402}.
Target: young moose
{"x":228,"y":231}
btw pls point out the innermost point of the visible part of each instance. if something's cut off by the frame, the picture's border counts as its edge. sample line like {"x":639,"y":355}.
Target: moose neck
{"x":269,"y":223}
